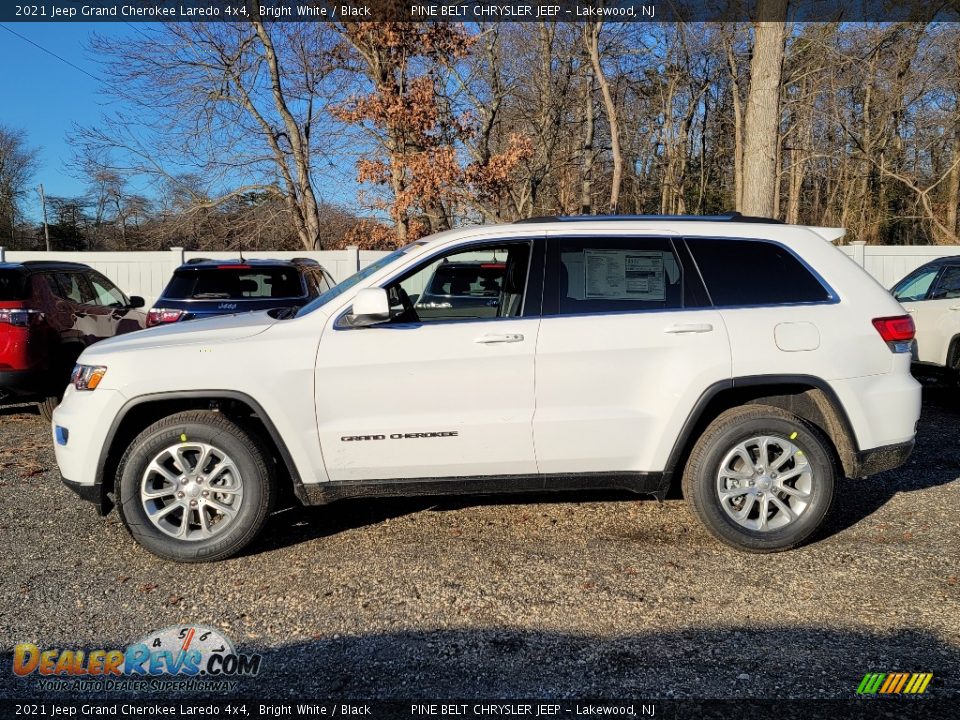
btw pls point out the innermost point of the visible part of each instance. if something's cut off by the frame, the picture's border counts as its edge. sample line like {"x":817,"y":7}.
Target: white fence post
{"x":179,"y":256}
{"x":353,"y":258}
{"x":858,"y":251}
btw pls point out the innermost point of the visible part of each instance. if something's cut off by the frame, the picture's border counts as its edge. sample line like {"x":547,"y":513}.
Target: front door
{"x":445,"y":389}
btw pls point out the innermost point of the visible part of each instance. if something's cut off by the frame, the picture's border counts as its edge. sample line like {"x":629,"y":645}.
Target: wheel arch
{"x":806,"y":396}
{"x":140,"y":412}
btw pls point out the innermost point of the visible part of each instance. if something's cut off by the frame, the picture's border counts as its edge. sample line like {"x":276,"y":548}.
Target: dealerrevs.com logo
{"x":181,"y":657}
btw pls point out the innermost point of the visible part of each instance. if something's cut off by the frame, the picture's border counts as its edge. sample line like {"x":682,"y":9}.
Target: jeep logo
{"x":227,"y":306}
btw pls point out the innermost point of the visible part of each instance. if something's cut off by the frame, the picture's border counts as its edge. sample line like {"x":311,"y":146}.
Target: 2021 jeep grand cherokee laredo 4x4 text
{"x":749,"y":358}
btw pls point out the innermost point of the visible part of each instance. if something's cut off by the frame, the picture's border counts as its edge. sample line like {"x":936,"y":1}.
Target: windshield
{"x":369,"y":270}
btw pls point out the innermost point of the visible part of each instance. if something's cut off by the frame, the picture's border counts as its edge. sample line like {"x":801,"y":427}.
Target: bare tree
{"x":238,"y":102}
{"x":18,"y":162}
{"x":591,"y":35}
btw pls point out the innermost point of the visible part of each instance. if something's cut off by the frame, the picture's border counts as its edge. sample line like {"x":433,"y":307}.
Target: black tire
{"x":739,"y":425}
{"x":47,"y":406}
{"x":250,"y":457}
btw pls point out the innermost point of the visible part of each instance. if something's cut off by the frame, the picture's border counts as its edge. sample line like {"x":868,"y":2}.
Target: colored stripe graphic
{"x":871,"y":683}
{"x":894,"y":683}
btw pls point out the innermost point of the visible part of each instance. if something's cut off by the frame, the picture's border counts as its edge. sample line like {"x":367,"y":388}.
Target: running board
{"x":655,"y":484}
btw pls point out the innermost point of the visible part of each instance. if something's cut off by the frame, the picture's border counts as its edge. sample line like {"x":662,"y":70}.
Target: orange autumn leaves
{"x":418,"y":139}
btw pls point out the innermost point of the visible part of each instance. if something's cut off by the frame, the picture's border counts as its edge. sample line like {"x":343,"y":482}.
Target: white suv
{"x":751,"y":359}
{"x":931,"y":294}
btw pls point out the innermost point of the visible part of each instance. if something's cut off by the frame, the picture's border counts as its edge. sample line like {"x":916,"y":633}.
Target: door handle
{"x":507,"y":338}
{"x":689,"y":328}
{"x":913,"y":310}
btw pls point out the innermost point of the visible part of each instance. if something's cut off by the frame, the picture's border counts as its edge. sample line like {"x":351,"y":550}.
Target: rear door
{"x":627,"y":344}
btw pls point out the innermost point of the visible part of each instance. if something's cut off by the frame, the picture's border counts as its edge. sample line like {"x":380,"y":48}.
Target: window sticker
{"x":624,"y":275}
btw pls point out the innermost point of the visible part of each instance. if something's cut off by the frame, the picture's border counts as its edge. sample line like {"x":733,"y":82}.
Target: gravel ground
{"x":582,"y":596}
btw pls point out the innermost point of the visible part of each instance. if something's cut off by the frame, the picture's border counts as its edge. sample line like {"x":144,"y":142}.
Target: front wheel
{"x":195,"y":487}
{"x":761,"y":479}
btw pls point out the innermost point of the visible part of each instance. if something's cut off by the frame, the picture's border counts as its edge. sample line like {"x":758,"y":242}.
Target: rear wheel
{"x":195,"y":487}
{"x":761,"y":479}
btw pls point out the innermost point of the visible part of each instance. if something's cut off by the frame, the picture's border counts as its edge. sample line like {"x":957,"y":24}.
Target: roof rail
{"x":194,"y":261}
{"x":304,"y":261}
{"x":725,"y":217}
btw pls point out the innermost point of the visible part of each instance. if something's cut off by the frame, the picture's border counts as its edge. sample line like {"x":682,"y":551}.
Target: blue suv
{"x":204,"y":288}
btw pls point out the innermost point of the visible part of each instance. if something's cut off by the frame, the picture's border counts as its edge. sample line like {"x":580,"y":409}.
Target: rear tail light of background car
{"x":160,"y":316}
{"x":21,"y":318}
{"x":897,"y":332}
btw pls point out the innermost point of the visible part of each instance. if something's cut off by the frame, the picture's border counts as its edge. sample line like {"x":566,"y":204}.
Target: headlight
{"x":87,"y":377}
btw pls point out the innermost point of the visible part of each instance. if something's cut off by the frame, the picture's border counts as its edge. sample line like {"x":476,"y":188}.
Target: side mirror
{"x":137,"y":302}
{"x":370,"y":307}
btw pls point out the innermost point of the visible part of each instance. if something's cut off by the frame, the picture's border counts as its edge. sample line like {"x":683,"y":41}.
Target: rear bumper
{"x":880,"y":459}
{"x":23,"y":382}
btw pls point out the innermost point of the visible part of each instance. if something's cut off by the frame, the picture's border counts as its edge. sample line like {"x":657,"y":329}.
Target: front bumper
{"x":91,"y":493}
{"x":87,"y":417}
{"x":880,"y":459}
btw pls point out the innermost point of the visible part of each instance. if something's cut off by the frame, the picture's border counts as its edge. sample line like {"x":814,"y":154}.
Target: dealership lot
{"x":577,"y":596}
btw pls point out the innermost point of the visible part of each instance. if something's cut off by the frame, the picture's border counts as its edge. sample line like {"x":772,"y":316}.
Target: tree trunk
{"x":592,"y":35}
{"x":762,"y":121}
{"x":953,"y":182}
{"x":586,"y":162}
{"x":737,"y":126}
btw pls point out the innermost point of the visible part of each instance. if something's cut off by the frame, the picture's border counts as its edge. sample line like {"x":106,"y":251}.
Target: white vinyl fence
{"x":889,"y":263}
{"x":147,"y":273}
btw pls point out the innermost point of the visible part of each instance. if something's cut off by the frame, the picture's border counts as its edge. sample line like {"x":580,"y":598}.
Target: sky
{"x":45,"y":96}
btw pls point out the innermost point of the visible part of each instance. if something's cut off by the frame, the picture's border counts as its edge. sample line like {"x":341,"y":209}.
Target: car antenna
{"x":240,"y":243}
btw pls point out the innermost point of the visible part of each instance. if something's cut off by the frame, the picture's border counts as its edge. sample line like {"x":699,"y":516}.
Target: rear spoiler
{"x":830,"y":234}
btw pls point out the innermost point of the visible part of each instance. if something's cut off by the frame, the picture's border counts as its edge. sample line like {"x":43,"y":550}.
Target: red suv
{"x":49,"y":312}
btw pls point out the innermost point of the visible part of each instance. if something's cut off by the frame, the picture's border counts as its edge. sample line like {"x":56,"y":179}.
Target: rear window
{"x":754,"y":272}
{"x":480,"y":280}
{"x":13,"y":285}
{"x":234,"y":284}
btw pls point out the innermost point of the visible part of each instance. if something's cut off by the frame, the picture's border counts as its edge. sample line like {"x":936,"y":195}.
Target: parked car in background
{"x":747,"y":359}
{"x":50,"y":312}
{"x":206,"y":288}
{"x":931,"y":294}
{"x":457,"y":289}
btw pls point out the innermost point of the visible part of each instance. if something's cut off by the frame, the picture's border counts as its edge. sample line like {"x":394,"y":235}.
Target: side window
{"x":107,"y":294}
{"x":75,"y":288}
{"x":948,"y":284}
{"x":479,"y":283}
{"x":754,"y":272}
{"x":322,"y":283}
{"x":611,"y":275}
{"x":54,"y":286}
{"x":915,"y":285}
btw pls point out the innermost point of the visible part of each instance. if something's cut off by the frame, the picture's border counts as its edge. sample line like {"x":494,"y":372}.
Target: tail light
{"x":160,"y":316}
{"x":21,"y":318}
{"x":897,"y":332}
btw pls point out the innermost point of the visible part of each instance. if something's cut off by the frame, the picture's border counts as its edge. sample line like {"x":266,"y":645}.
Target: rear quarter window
{"x":754,"y":272}
{"x":13,"y":285}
